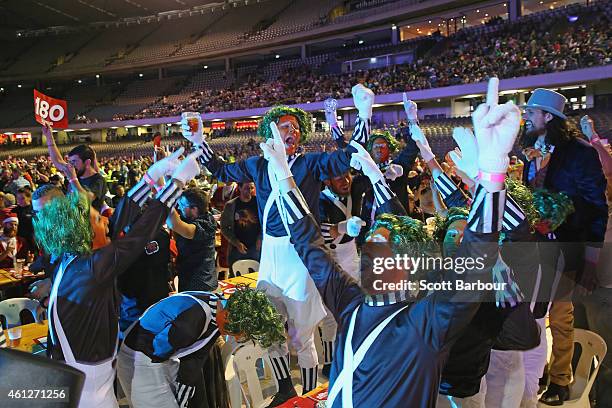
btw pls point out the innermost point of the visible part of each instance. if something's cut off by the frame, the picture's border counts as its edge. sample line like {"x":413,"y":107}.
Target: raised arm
{"x":238,"y":171}
{"x":54,"y":153}
{"x":116,"y":257}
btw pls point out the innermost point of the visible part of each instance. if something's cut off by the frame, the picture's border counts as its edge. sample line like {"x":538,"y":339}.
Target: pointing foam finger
{"x":493,"y":92}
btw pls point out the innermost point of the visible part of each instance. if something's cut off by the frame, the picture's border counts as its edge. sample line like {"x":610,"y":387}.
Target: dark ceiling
{"x":38,"y":14}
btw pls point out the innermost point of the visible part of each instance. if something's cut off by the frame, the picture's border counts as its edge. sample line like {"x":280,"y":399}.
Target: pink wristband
{"x":493,"y":177}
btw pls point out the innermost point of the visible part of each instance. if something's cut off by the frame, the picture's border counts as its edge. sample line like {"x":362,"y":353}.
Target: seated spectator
{"x":12,"y":247}
{"x":241,"y":227}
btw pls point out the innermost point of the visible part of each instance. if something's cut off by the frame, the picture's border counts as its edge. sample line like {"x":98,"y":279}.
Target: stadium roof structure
{"x":32,"y":15}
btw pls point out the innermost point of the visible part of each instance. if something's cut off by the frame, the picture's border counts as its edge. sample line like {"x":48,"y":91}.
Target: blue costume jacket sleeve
{"x":239,"y":172}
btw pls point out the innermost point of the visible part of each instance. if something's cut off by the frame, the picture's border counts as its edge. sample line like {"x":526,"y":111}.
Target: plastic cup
{"x":14,"y":336}
{"x":19,"y":267}
{"x":193,"y":120}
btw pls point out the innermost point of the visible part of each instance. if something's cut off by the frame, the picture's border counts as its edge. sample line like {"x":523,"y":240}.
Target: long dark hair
{"x":558,"y":132}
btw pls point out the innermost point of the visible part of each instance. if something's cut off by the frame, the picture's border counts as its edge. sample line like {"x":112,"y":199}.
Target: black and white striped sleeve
{"x":361,"y":133}
{"x":337,"y":132}
{"x":183,"y":394}
{"x":487,"y":211}
{"x":513,"y":214}
{"x":294,"y":205}
{"x":445,"y":185}
{"x":206,"y":155}
{"x":169,"y":194}
{"x":140,"y":192}
{"x":382,"y":192}
{"x":325,"y":231}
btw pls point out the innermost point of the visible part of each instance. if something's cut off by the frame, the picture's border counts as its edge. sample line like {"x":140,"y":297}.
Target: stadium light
{"x":97,"y":76}
{"x":80,"y":81}
{"x":393,"y":27}
{"x":373,"y":60}
{"x":140,"y":75}
{"x":1,"y":89}
{"x":277,"y":56}
{"x":205,"y":66}
{"x":18,"y":85}
{"x":361,"y":42}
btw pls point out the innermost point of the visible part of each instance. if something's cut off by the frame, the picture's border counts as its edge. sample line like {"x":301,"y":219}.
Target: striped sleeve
{"x":513,"y":214}
{"x":169,"y":194}
{"x":294,"y":205}
{"x":361,"y":131}
{"x":206,"y":155}
{"x":140,"y":192}
{"x":382,"y":192}
{"x":445,"y":186}
{"x":325,"y":231}
{"x":487,"y":211}
{"x":184,"y":394}
{"x":337,"y":132}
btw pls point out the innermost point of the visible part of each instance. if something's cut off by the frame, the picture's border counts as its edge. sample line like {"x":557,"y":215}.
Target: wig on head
{"x":304,"y":120}
{"x":553,"y":208}
{"x":63,"y":226}
{"x":404,"y":231}
{"x":524,"y":198}
{"x":441,"y":224}
{"x":379,"y":134}
{"x":251,"y":316}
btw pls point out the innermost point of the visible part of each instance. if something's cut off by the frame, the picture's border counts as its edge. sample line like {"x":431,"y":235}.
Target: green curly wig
{"x":404,"y":231}
{"x":251,"y":314}
{"x":524,"y":198}
{"x":441,"y":224}
{"x":553,"y":207}
{"x":378,"y":134}
{"x":63,"y":226}
{"x":273,"y":115}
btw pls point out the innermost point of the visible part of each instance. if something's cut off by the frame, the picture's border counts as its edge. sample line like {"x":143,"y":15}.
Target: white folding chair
{"x":593,"y":351}
{"x":245,"y":266}
{"x":11,"y":310}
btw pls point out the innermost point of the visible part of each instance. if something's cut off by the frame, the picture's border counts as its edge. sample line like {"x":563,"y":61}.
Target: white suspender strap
{"x":344,"y":381}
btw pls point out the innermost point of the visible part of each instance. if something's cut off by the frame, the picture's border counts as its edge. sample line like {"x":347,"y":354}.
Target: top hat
{"x":549,"y":101}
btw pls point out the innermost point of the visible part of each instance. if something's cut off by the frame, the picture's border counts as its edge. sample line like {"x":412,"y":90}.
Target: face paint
{"x":380,"y":150}
{"x":289,"y":129}
{"x":99,"y":226}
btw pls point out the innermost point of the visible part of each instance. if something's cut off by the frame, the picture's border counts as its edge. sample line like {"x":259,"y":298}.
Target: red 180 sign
{"x":50,"y":110}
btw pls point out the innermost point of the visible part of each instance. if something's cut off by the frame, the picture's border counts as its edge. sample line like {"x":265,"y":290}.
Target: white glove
{"x":363,"y":98}
{"x":393,"y":171}
{"x":361,"y":160}
{"x":331,"y":117}
{"x":421,"y":141}
{"x":188,"y":168}
{"x":496,"y":127}
{"x":274,"y":152}
{"x":166,"y":166}
{"x":466,"y":156}
{"x":410,"y":107}
{"x":353,"y":226}
{"x":197,"y":138}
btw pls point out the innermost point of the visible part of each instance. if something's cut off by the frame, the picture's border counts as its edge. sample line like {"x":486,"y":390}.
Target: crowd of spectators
{"x":516,"y":49}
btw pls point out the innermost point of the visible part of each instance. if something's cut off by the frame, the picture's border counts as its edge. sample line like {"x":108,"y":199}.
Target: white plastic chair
{"x":242,"y":363}
{"x":593,"y":351}
{"x":245,"y":266}
{"x":12,"y":308}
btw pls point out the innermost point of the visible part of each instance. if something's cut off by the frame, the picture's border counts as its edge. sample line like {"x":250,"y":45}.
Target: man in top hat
{"x":561,"y":161}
